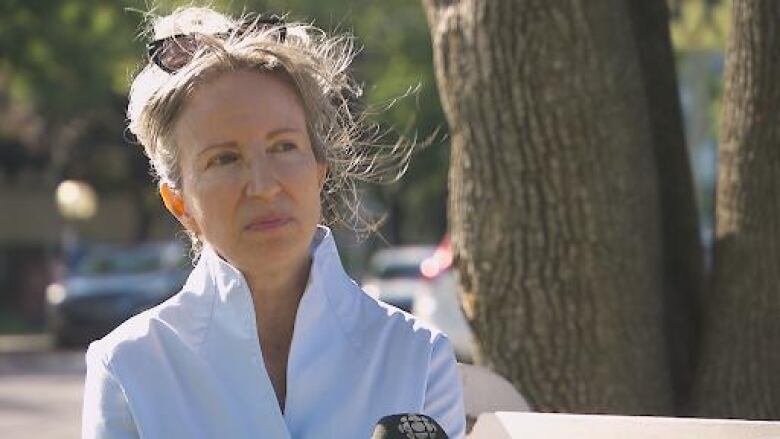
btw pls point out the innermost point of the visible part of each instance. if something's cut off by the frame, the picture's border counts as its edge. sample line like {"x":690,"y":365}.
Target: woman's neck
{"x":276,"y":296}
{"x":277,"y":292}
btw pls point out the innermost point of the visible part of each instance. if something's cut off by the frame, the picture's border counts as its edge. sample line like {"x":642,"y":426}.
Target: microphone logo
{"x":417,"y":427}
{"x":408,"y":426}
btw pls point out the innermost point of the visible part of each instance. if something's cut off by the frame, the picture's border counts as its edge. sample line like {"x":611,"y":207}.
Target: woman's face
{"x":251,"y":184}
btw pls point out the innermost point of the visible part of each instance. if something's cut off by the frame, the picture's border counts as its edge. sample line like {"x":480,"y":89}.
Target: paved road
{"x":40,"y":390}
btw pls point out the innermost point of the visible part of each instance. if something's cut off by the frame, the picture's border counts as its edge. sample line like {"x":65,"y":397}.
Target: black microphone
{"x":408,"y":426}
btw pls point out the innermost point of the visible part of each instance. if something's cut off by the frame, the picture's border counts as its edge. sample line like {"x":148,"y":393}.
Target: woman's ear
{"x":174,"y":202}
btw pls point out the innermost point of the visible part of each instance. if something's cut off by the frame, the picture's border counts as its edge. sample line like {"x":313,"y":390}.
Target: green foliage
{"x":67,"y":57}
{"x":700,"y":24}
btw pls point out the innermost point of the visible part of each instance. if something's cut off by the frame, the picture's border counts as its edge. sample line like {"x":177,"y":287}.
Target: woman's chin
{"x":277,"y":241}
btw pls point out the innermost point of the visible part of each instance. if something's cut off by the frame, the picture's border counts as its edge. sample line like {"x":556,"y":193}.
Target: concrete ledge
{"x":505,"y":425}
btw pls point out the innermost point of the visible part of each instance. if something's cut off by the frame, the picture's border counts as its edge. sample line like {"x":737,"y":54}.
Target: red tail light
{"x":440,"y":261}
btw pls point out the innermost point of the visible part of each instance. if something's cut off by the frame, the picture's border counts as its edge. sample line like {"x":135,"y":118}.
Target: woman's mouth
{"x":265,"y":224}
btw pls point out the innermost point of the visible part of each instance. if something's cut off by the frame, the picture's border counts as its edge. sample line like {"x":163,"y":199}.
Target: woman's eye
{"x":222,"y":159}
{"x":284,"y":147}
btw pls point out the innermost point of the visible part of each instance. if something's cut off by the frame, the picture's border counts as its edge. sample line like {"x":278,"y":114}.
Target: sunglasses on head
{"x":174,"y":52}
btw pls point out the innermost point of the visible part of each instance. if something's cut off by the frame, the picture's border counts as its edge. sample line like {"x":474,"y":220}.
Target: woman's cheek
{"x":220,"y":179}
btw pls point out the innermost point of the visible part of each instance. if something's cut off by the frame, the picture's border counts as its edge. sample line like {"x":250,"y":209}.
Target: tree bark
{"x":741,"y":353}
{"x":554,"y":199}
{"x":684,"y":277}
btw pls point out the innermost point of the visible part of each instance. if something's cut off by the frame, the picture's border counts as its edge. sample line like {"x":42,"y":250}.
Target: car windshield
{"x":131,"y":260}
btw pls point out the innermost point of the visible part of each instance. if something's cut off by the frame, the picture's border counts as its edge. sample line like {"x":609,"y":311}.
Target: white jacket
{"x":192,"y":367}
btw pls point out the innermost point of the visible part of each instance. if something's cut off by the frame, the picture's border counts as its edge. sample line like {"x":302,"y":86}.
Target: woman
{"x":248,"y":125}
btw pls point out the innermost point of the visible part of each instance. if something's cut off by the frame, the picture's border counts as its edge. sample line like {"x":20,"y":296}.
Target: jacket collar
{"x":331,"y":297}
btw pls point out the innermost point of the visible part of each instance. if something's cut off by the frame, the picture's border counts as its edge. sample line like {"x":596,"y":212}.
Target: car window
{"x":135,"y":260}
{"x":398,"y":271}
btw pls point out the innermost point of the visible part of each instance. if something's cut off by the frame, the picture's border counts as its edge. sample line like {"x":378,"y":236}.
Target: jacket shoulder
{"x":381,"y":318}
{"x":174,"y":318}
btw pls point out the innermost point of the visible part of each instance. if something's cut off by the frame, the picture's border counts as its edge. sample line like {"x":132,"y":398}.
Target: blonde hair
{"x":315,"y":64}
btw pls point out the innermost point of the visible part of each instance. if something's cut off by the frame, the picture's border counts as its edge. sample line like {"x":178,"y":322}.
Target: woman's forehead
{"x":240,"y":103}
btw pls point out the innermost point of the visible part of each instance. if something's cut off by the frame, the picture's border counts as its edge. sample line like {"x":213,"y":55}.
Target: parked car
{"x":420,"y":280}
{"x":110,"y":284}
{"x":394,"y":274}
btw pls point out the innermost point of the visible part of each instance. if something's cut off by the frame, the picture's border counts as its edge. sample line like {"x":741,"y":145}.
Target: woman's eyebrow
{"x":280,"y":131}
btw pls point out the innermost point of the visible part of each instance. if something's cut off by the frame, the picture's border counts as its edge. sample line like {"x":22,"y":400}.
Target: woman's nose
{"x":263,"y":180}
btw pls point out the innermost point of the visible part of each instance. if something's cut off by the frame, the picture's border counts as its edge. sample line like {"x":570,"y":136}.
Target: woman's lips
{"x":265,"y":224}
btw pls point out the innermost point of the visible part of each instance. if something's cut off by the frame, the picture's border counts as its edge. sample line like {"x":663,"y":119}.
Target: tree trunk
{"x":554,"y":199}
{"x":741,"y":354}
{"x":682,"y":250}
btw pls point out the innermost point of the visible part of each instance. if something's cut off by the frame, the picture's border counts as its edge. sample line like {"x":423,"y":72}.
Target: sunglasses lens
{"x":175,"y":53}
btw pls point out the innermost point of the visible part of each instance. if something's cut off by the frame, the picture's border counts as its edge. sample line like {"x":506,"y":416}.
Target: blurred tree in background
{"x":64,"y":71}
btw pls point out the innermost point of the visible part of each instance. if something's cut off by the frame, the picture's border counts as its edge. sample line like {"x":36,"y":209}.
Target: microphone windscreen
{"x":408,"y":426}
